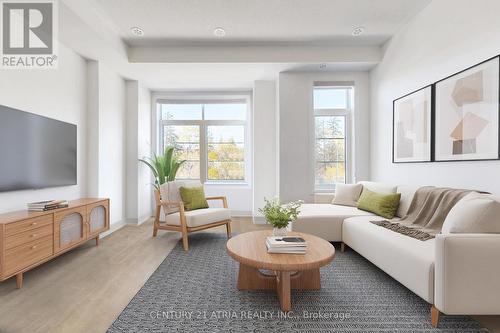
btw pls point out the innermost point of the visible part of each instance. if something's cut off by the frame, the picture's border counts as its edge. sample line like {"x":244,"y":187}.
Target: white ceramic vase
{"x":280,"y":232}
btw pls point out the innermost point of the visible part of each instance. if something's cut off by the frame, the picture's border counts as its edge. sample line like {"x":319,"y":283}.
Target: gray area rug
{"x":196,"y":292}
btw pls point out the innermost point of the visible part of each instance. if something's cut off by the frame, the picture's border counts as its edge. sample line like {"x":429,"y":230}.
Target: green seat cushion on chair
{"x":193,"y":197}
{"x":385,"y":205}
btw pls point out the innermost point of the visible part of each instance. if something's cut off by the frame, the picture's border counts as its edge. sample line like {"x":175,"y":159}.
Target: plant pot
{"x":280,"y":232}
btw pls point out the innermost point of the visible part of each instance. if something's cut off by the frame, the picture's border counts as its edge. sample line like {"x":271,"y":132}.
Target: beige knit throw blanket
{"x":427,"y":212}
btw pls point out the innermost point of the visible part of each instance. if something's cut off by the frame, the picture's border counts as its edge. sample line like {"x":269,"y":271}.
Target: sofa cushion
{"x":384,"y":205}
{"x":408,"y":260}
{"x":378,"y":187}
{"x":199,"y":217}
{"x":407,"y":194}
{"x":325,"y":220}
{"x":347,"y":194}
{"x":324,"y":198}
{"x":475,"y":213}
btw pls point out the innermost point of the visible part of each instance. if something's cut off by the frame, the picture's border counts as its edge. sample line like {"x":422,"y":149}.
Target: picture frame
{"x":412,"y":116}
{"x":467,"y":114}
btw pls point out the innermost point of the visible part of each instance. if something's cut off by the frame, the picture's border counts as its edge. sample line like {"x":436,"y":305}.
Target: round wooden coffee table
{"x":291,"y":271}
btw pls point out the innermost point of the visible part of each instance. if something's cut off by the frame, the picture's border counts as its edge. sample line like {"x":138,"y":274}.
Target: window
{"x":209,"y":135}
{"x":331,"y":126}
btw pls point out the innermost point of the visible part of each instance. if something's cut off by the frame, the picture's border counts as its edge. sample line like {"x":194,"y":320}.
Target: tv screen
{"x":35,"y":152}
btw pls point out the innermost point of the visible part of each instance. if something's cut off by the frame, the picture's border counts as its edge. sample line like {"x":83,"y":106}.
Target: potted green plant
{"x":280,"y":215}
{"x":164,"y":168}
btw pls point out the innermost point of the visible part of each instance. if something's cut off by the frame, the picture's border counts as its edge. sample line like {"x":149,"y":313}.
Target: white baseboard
{"x":259,"y":220}
{"x":120,"y":224}
{"x":113,"y":227}
{"x":241,"y":213}
{"x":144,"y":219}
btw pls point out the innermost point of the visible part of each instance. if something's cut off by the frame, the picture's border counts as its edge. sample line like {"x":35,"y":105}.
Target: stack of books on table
{"x":47,"y":205}
{"x":286,"y":244}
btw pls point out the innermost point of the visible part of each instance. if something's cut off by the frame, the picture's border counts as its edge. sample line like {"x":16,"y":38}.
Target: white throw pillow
{"x":475,"y":213}
{"x":379,"y":187}
{"x":170,"y":192}
{"x":347,"y":194}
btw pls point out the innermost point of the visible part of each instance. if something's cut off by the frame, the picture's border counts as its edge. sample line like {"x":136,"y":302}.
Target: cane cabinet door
{"x":98,"y":218}
{"x":70,"y":228}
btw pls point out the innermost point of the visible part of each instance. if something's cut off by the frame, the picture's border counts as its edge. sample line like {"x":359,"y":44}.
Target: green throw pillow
{"x":193,"y":197}
{"x":384,"y":205}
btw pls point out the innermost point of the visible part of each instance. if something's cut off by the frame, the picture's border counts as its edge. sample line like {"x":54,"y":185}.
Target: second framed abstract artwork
{"x":412,"y":126}
{"x":467,"y":114}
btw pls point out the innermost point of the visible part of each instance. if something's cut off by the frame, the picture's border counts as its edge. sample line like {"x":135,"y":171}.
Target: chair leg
{"x":156,"y":222}
{"x":342,"y":247}
{"x":185,"y":243}
{"x":228,"y":229}
{"x":434,"y":317}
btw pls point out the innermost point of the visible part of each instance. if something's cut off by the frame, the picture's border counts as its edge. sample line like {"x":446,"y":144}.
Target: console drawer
{"x":29,"y":224}
{"x":20,"y":257}
{"x":27,"y":236}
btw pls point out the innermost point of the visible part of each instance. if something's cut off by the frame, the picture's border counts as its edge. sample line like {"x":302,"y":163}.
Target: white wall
{"x":59,"y":94}
{"x":296,"y":131}
{"x":132,"y":166}
{"x":144,"y":148}
{"x":446,"y":37}
{"x":138,"y":138}
{"x":106,"y":138}
{"x":112,"y":144}
{"x":265,"y":134}
{"x":92,"y":136}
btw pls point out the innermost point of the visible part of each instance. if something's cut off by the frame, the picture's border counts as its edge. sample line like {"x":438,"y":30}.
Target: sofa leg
{"x":342,"y":247}
{"x":434,"y":317}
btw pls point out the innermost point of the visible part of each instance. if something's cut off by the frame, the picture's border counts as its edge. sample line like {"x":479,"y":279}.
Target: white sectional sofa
{"x":455,"y":273}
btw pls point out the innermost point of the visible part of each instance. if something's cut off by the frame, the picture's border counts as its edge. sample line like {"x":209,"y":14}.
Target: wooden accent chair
{"x":186,"y":222}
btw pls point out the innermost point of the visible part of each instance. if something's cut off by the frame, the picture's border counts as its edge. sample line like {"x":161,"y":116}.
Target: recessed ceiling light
{"x":219,"y":32}
{"x":358,"y":31}
{"x":322,"y":66}
{"x":136,"y":31}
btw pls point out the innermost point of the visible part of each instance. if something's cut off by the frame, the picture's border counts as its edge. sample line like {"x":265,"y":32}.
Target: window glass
{"x":181,"y":111}
{"x":186,"y":140}
{"x":330,"y":151}
{"x":227,"y":111}
{"x":226,"y":152}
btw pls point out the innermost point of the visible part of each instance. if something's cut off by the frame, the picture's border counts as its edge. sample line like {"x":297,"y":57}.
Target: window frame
{"x":348,"y":135}
{"x":203,"y":126}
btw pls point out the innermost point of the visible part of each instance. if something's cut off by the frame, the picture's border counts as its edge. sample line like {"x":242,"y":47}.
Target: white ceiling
{"x":258,"y":21}
{"x":286,"y":35}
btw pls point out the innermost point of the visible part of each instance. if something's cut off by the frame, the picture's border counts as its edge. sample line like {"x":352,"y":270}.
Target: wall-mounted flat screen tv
{"x":35,"y":152}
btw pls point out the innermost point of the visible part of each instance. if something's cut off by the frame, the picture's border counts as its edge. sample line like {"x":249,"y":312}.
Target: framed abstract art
{"x":412,"y":127}
{"x":467,"y":114}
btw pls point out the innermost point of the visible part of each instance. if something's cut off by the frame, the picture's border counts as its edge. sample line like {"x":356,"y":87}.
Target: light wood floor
{"x":85,"y":289}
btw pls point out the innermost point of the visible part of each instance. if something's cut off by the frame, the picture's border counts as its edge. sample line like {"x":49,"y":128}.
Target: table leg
{"x":306,"y":280}
{"x":250,"y":278}
{"x":283,"y":288}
